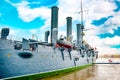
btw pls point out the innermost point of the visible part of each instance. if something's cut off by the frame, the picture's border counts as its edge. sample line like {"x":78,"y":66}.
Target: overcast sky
{"x":102,"y":17}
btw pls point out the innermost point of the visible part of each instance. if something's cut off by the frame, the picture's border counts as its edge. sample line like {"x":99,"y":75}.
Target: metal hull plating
{"x":45,"y":58}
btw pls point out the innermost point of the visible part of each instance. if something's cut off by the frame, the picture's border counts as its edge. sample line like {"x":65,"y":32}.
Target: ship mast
{"x":82,"y":26}
{"x":81,"y":13}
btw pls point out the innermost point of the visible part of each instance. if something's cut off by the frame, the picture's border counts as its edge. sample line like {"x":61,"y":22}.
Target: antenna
{"x":82,"y":26}
{"x":81,"y":13}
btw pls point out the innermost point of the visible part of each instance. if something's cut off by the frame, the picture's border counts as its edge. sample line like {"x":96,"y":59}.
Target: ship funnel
{"x":69,"y":28}
{"x":79,"y":35}
{"x":46,"y":35}
{"x":54,"y":21}
{"x":4,"y":33}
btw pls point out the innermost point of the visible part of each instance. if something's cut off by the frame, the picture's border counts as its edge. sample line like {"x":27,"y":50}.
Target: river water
{"x":105,"y":60}
{"x":96,"y":72}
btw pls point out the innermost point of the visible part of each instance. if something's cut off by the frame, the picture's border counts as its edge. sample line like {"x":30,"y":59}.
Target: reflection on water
{"x":96,"y":72}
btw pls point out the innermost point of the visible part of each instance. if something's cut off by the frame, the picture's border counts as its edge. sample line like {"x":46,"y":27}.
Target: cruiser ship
{"x":20,"y":58}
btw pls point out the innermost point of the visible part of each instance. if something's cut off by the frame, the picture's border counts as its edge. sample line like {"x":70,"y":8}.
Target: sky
{"x":101,"y":19}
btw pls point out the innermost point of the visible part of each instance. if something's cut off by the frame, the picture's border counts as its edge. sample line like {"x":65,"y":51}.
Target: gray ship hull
{"x":23,"y":62}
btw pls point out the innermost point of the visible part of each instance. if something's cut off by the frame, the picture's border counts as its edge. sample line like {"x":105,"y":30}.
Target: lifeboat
{"x":65,"y":44}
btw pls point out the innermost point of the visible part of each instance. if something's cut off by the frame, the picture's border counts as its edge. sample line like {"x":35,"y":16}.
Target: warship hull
{"x":15,"y":63}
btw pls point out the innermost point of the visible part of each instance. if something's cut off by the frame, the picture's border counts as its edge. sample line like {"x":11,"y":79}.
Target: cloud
{"x":111,"y":41}
{"x":107,"y":43}
{"x":105,"y":8}
{"x":27,"y":14}
{"x":101,"y":8}
{"x":103,"y":45}
{"x":110,"y":25}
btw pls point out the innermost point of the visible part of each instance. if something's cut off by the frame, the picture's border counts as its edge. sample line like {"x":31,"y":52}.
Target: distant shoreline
{"x":109,"y":55}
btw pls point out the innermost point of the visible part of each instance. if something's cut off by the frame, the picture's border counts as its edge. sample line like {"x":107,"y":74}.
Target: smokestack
{"x":54,"y":21}
{"x":46,"y":35}
{"x":69,"y":27}
{"x":79,"y":35}
{"x":4,"y":33}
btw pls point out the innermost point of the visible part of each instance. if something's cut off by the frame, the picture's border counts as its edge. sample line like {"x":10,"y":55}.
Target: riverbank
{"x":49,"y":74}
{"x":95,"y":72}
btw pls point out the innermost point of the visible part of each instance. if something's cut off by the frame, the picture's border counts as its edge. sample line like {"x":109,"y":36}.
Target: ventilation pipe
{"x":46,"y":35}
{"x":4,"y":33}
